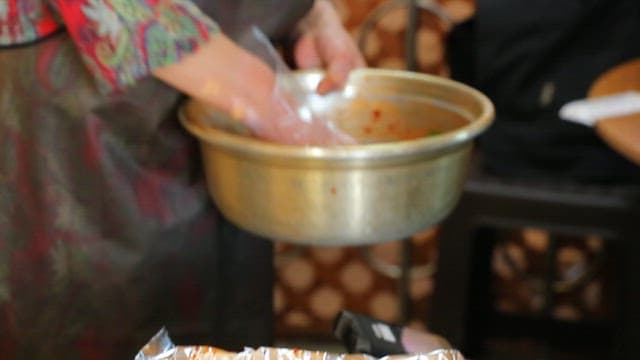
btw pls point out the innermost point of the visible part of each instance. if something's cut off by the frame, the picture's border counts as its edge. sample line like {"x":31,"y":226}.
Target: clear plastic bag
{"x":295,"y":120}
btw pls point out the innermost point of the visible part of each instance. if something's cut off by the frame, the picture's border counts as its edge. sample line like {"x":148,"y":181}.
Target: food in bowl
{"x":386,"y":119}
{"x":415,"y":135}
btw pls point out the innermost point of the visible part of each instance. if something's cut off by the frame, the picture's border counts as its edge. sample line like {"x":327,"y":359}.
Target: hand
{"x":210,"y":75}
{"x":325,"y":43}
{"x":275,"y":118}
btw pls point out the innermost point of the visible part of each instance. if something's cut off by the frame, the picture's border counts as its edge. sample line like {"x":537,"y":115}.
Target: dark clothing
{"x":236,"y":16}
{"x":107,"y":232}
{"x":530,"y":58}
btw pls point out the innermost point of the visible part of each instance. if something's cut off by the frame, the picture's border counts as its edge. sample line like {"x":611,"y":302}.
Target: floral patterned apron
{"x":107,"y":232}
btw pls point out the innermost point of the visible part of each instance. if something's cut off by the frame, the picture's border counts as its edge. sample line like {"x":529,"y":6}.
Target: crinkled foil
{"x":160,"y":347}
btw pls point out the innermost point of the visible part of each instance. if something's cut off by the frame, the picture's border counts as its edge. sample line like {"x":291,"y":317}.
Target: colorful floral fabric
{"x":107,"y":232}
{"x":22,"y":21}
{"x":120,"y":40}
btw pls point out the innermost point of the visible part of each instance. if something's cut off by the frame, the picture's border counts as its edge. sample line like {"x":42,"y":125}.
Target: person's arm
{"x":188,"y":52}
{"x":224,"y":75}
{"x":323,"y":43}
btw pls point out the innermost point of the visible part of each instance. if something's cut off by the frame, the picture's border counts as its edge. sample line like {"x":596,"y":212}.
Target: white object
{"x":383,"y":331}
{"x":589,"y":111}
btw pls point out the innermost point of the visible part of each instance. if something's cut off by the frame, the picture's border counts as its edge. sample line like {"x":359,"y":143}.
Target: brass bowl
{"x":406,"y":175}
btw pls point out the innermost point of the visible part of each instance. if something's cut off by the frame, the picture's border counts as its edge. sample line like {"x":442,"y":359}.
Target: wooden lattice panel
{"x":315,"y":283}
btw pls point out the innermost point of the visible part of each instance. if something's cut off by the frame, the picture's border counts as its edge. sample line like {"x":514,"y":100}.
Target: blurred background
{"x":395,"y":281}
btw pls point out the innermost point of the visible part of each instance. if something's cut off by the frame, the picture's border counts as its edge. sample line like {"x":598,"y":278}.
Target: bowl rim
{"x":430,"y":144}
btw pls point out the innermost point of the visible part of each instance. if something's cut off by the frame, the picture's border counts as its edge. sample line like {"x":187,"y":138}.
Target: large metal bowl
{"x":390,"y":187}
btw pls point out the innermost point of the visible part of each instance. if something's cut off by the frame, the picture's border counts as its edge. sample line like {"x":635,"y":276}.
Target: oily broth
{"x":375,"y":120}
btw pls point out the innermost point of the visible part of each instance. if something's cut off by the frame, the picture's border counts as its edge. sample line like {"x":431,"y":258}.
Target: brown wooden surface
{"x":621,"y":133}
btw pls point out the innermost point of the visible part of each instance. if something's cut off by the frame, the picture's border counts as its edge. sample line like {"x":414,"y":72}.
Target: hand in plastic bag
{"x":289,"y":124}
{"x":247,"y":80}
{"x":286,"y":117}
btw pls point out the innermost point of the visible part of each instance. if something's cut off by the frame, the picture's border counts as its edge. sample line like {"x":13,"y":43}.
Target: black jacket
{"x":530,"y":58}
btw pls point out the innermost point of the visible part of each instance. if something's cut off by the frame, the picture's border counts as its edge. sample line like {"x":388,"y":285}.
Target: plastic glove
{"x":286,"y":116}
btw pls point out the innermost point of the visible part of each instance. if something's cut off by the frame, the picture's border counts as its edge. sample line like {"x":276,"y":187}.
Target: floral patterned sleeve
{"x":121,"y":41}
